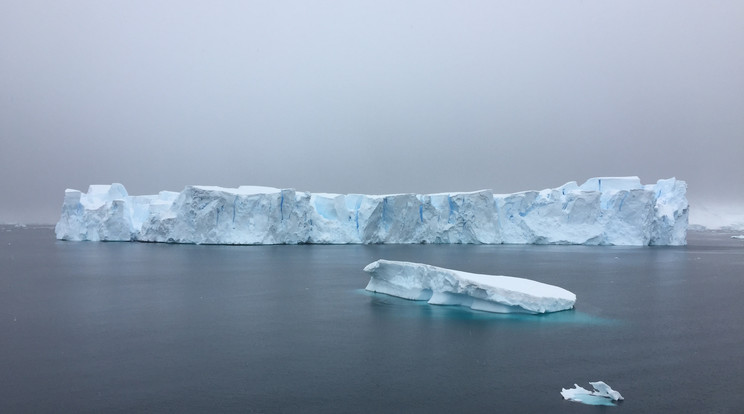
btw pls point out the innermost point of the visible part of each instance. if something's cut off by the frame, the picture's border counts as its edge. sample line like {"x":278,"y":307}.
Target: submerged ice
{"x":602,"y":211}
{"x":440,"y":286}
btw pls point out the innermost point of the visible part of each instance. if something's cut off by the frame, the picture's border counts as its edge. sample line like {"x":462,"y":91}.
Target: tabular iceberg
{"x":602,"y":211}
{"x":440,"y":286}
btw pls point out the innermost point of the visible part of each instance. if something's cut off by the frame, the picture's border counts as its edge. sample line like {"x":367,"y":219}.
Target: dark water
{"x":130,"y":327}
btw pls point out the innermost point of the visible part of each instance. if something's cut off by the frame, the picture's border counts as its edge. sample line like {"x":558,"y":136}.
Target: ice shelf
{"x":602,"y":211}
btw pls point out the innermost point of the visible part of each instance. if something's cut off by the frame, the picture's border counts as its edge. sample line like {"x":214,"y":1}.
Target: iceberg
{"x":602,"y":211}
{"x":602,"y":394}
{"x":440,"y":286}
{"x":717,"y":216}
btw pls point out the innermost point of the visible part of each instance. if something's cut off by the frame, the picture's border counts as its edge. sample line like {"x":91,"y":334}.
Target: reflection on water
{"x":391,"y":306}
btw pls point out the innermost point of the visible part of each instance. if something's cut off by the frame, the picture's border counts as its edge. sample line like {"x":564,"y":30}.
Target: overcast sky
{"x":366,"y":96}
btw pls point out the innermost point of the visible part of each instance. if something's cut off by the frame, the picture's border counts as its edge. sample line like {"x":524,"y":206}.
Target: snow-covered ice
{"x":707,"y":215}
{"x":602,"y":211}
{"x":603,"y":394}
{"x":440,"y":286}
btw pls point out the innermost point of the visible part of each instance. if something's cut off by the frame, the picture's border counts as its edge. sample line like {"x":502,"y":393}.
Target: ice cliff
{"x":440,"y":286}
{"x":602,"y":211}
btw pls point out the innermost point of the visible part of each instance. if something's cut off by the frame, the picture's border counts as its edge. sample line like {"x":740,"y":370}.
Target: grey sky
{"x":369,"y":97}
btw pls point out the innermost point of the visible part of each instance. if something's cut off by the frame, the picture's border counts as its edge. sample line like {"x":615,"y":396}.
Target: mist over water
{"x":378,"y":98}
{"x":122,"y":327}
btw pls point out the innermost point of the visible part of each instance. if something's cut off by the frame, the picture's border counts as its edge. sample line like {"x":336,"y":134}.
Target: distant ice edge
{"x":440,"y":286}
{"x":602,"y":211}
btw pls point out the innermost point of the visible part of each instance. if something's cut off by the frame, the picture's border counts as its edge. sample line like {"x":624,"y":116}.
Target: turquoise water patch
{"x":399,"y":307}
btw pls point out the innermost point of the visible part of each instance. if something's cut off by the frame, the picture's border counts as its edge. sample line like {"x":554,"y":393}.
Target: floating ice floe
{"x":602,"y":211}
{"x":440,"y":286}
{"x":602,"y":394}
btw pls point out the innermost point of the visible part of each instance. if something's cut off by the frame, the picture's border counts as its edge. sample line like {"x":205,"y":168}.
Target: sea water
{"x":132,"y":327}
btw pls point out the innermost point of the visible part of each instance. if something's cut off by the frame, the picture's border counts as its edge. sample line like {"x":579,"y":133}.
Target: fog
{"x":367,"y":97}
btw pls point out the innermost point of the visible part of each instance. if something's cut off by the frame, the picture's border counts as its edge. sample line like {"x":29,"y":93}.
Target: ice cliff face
{"x":602,"y":211}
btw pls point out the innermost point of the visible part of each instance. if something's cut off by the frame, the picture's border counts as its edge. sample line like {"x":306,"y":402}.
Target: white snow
{"x":602,"y":211}
{"x":242,"y":190}
{"x":603,"y":394}
{"x":440,"y":286}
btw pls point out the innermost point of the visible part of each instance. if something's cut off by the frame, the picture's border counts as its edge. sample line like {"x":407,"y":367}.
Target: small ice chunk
{"x":605,"y":390}
{"x":738,"y":237}
{"x":603,"y":394}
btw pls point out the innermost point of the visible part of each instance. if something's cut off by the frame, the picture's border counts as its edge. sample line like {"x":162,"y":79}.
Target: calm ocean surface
{"x":133,"y":327}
